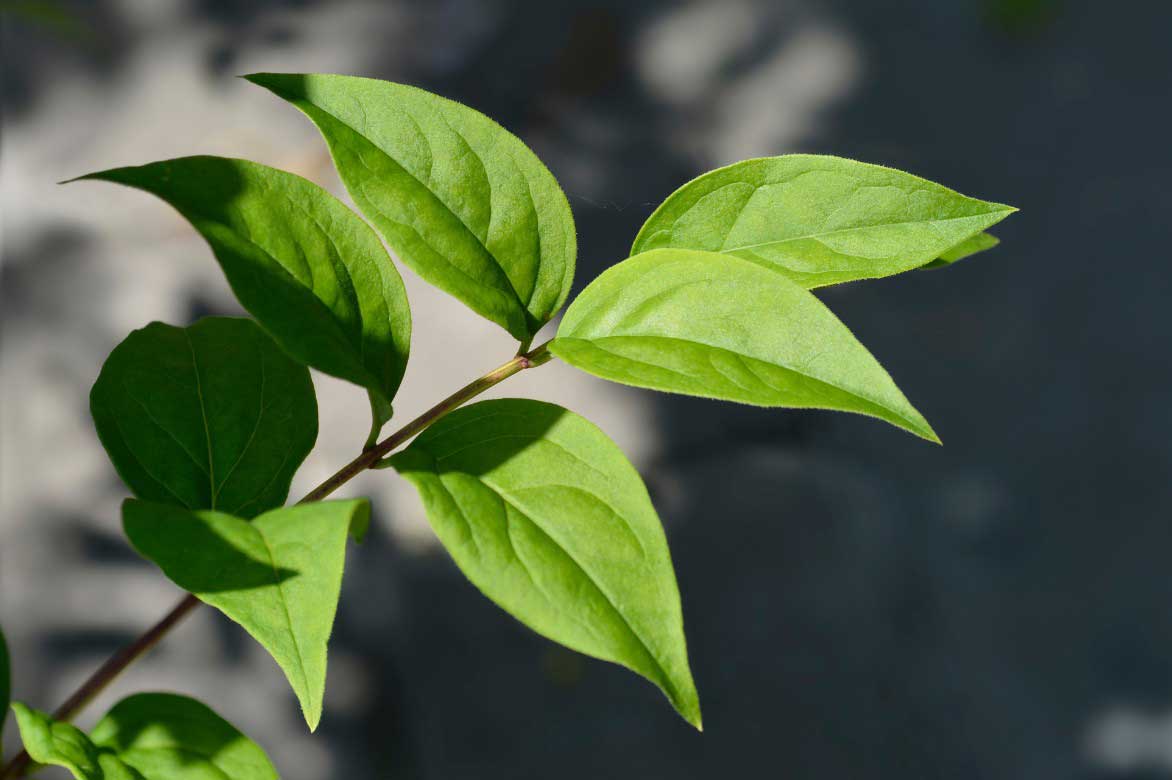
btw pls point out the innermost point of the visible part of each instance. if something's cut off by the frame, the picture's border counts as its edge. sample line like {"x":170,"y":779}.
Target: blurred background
{"x":858,"y":603}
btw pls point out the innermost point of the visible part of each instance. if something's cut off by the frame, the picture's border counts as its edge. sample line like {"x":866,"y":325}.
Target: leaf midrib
{"x":284,"y":607}
{"x":725,"y":249}
{"x":505,"y":498}
{"x":596,"y":342}
{"x":212,"y":492}
{"x":523,"y":305}
{"x":251,"y":437}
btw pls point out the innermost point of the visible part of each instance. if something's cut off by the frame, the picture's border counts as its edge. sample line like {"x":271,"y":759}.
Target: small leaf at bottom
{"x":149,"y":736}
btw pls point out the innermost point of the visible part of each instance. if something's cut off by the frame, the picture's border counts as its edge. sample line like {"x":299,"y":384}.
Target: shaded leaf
{"x":149,"y":736}
{"x":819,"y":220}
{"x":163,"y":735}
{"x":981,"y":242}
{"x":213,"y":416}
{"x":314,"y":274}
{"x":717,"y":326}
{"x":545,"y":515}
{"x":278,"y":576}
{"x":5,"y":685}
{"x":459,"y":199}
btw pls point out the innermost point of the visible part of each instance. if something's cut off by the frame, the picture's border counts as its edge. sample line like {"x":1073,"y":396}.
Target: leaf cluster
{"x":207,"y":424}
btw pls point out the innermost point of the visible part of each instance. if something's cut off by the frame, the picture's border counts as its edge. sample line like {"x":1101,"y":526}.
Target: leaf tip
{"x":271,"y":81}
{"x":360,"y":520}
{"x":94,"y":176}
{"x":913,"y":422}
{"x":686,"y":701}
{"x":926,"y":432}
{"x":109,"y":175}
{"x":1004,"y":210}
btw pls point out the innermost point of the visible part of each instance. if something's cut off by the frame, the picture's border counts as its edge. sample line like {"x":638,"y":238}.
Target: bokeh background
{"x":859,"y":604}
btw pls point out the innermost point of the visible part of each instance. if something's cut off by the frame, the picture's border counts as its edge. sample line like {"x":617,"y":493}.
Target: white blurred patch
{"x":1125,"y":739}
{"x":682,"y":54}
{"x":751,"y":91}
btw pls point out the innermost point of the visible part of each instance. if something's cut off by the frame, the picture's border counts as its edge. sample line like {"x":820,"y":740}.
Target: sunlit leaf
{"x":279,"y":576}
{"x":61,"y":744}
{"x":149,"y":736}
{"x":461,"y":200}
{"x":173,"y":737}
{"x":717,"y":326}
{"x":981,"y":242}
{"x":545,"y":515}
{"x":818,"y":220}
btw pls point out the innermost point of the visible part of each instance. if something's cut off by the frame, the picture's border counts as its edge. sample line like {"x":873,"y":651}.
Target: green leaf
{"x":5,"y":685}
{"x":172,"y":737}
{"x":545,"y":515}
{"x":981,"y":242}
{"x":459,"y":199}
{"x":313,"y":273}
{"x":149,"y":736}
{"x":52,"y":742}
{"x":213,"y":416}
{"x":278,"y":576}
{"x":818,"y":220}
{"x":717,"y":326}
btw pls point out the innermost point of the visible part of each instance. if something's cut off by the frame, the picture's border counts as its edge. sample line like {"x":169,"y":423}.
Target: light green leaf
{"x":170,"y":737}
{"x":545,"y":515}
{"x":717,"y":326}
{"x":278,"y":576}
{"x":819,"y":220}
{"x":981,"y":242}
{"x":459,"y":199}
{"x":314,"y":274}
{"x":5,"y":685}
{"x":149,"y":736}
{"x":213,"y":416}
{"x":52,"y":742}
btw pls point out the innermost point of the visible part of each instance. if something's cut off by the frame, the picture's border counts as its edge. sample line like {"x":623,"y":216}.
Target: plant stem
{"x":116,"y":663}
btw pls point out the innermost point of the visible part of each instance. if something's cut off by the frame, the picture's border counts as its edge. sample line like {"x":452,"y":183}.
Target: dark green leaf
{"x":278,"y":576}
{"x":819,"y":220}
{"x":717,"y":326}
{"x":546,"y":516}
{"x":5,"y":685}
{"x":981,"y":242}
{"x":213,"y":416}
{"x":313,"y":273}
{"x":461,"y":200}
{"x":150,"y":736}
